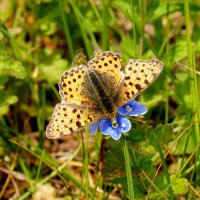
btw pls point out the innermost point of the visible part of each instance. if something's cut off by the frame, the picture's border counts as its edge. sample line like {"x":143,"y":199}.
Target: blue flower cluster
{"x":121,"y":124}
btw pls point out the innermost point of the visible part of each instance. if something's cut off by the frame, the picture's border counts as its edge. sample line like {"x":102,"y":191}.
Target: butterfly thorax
{"x":99,"y":89}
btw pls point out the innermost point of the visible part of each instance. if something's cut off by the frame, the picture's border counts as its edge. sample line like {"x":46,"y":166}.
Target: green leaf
{"x":6,"y":9}
{"x":163,"y":134}
{"x":53,"y":67}
{"x":10,"y":66}
{"x":5,"y":101}
{"x":162,"y":9}
{"x":179,"y":185}
{"x":3,"y":80}
{"x":178,"y":51}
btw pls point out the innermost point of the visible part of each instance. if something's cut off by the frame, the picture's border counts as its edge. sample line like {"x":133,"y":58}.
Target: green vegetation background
{"x":159,"y":159}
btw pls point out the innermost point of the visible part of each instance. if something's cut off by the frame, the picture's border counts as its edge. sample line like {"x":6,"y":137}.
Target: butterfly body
{"x":98,"y":89}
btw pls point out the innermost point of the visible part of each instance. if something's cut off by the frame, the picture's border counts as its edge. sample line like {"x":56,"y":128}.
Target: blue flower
{"x":115,"y":128}
{"x":133,"y":109}
{"x":94,"y":127}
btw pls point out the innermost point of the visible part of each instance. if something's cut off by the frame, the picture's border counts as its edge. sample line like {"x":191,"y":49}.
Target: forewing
{"x":67,"y":120}
{"x":71,"y":85}
{"x":109,"y":63}
{"x":139,"y":74}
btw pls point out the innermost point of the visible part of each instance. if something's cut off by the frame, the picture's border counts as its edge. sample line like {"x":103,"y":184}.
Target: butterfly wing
{"x":139,"y":74}
{"x":67,"y":120}
{"x":71,"y":115}
{"x":109,"y":63}
{"x":72,"y":81}
{"x":71,"y":85}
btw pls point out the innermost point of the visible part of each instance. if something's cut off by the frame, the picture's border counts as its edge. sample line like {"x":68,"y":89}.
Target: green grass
{"x":128,"y":171}
{"x":159,"y":159}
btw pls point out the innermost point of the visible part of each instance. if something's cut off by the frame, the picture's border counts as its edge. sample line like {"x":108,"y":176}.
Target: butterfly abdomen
{"x":98,"y":88}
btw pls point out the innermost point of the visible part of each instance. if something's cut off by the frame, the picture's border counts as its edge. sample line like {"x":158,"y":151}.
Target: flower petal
{"x":122,"y":110}
{"x":125,"y":125}
{"x":139,"y":109}
{"x":102,"y":121}
{"x":108,"y":131}
{"x":106,"y":127}
{"x":116,"y":134}
{"x":93,"y":128}
{"x":132,"y":103}
{"x":136,"y":109}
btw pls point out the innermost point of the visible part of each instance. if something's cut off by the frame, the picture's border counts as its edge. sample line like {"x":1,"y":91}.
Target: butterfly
{"x":98,"y":88}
